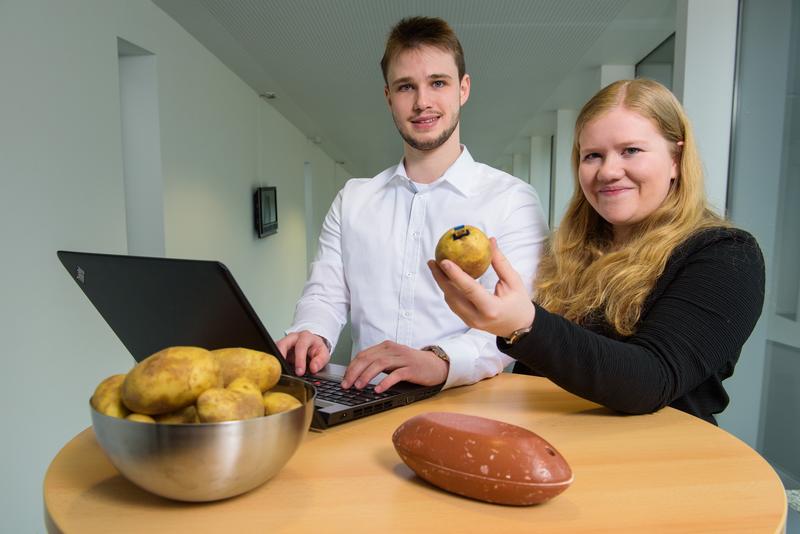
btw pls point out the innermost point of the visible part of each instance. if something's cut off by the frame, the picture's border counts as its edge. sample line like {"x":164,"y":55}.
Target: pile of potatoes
{"x":195,"y":385}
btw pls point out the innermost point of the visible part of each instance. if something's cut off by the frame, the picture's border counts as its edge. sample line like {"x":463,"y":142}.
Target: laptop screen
{"x":153,"y":303}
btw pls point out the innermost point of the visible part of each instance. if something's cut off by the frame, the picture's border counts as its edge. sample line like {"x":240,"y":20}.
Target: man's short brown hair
{"x":414,"y":32}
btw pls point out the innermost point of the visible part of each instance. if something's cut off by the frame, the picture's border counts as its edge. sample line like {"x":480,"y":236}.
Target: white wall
{"x":521,"y":165}
{"x":61,"y":187}
{"x":705,"y":58}
{"x":540,"y":170}
{"x":754,"y":198}
{"x":141,"y":153}
{"x":563,"y":183}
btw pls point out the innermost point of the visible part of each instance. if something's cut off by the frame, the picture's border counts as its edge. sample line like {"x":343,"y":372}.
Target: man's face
{"x":425,"y":96}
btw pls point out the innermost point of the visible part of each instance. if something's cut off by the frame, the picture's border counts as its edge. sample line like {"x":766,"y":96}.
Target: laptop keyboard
{"x":332,"y":391}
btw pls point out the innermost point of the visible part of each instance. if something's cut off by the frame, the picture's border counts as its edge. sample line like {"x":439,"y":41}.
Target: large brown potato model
{"x":482,"y":458}
{"x":107,"y":398}
{"x":467,"y":247}
{"x":238,"y":401}
{"x":169,"y":380}
{"x":262,"y":368}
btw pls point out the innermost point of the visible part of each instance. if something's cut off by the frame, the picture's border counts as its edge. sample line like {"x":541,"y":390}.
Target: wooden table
{"x":663,"y":472}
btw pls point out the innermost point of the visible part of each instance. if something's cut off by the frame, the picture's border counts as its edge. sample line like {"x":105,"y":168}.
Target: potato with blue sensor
{"x":466,"y":246}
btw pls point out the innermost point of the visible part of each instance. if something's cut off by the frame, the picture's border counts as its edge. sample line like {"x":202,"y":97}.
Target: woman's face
{"x":626,"y":168}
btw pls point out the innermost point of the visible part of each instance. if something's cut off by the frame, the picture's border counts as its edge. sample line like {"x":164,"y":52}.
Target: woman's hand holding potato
{"x":508,"y":309}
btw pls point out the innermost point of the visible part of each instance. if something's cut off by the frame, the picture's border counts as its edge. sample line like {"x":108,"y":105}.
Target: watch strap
{"x":438,"y":351}
{"x":516,"y":335}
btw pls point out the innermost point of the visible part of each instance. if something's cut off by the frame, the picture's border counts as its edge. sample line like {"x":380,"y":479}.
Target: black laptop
{"x":153,"y":303}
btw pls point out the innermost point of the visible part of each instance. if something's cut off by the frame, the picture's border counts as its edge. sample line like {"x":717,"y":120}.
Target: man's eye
{"x":631,"y":150}
{"x":404,"y":87}
{"x":439,"y":83}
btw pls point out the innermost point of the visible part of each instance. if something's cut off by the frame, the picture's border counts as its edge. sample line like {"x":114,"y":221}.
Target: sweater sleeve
{"x":693,"y":330}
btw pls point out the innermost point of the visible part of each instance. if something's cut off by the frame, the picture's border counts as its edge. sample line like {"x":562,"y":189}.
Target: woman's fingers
{"x":438,"y":275}
{"x":452,"y":293}
{"x":503,"y":268}
{"x":459,"y":286}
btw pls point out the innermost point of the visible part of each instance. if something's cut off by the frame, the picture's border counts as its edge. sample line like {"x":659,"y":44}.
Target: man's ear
{"x":386,"y":96}
{"x":464,"y":89}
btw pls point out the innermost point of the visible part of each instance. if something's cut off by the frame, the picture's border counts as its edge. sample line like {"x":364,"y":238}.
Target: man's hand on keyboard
{"x":303,"y":348}
{"x":400,"y":362}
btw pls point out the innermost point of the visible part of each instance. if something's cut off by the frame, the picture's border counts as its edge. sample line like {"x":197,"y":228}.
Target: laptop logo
{"x":80,"y":275}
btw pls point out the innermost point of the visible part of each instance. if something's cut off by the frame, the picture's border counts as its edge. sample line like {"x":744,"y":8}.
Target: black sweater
{"x":692,"y":328}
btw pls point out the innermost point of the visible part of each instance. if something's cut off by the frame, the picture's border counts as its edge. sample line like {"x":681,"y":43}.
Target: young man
{"x":380,"y":232}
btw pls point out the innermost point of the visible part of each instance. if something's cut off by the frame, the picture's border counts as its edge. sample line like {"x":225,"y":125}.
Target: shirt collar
{"x":460,"y":175}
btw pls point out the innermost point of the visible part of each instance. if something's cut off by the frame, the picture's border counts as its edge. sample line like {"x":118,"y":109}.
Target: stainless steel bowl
{"x":206,"y":461}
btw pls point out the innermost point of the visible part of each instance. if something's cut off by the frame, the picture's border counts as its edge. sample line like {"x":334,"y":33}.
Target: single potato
{"x":277,"y":402}
{"x":169,"y":380}
{"x":245,"y":386}
{"x":107,"y":398}
{"x":242,"y":401}
{"x":262,"y":368}
{"x":182,"y":416}
{"x":140,"y":417}
{"x":467,"y":247}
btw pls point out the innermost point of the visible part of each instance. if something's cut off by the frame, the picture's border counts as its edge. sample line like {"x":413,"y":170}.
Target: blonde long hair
{"x":581,"y":273}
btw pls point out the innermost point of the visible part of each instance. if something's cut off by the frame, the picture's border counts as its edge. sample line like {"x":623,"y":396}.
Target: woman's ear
{"x":676,"y":162}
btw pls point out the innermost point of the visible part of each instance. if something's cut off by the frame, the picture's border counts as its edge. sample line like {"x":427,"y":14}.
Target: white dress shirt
{"x":373,"y":248}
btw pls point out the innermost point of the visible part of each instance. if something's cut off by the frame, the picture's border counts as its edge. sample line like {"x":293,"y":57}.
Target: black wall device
{"x":265,"y":201}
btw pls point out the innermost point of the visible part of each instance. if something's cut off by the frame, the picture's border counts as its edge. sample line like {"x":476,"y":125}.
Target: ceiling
{"x":320,"y":58}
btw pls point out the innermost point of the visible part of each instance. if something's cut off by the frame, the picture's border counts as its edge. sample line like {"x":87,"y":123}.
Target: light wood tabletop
{"x":667,"y":471}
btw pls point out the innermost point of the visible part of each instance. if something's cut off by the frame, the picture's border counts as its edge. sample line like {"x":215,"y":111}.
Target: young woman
{"x":644,"y":297}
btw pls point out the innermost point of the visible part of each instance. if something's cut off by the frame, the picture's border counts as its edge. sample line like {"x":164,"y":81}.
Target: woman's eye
{"x":590,"y":156}
{"x":631,"y":151}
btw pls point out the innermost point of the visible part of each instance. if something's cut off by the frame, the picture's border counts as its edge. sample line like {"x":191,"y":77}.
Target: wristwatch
{"x":438,"y":351}
{"x":516,"y":335}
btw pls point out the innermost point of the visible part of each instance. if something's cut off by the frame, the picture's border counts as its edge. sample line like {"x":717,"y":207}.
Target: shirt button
{"x":416,"y":235}
{"x":409,"y":275}
{"x":406,"y":314}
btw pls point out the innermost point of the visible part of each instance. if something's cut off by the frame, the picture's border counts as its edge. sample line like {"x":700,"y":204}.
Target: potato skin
{"x":107,"y":397}
{"x":169,"y":380}
{"x":245,"y":386}
{"x":467,"y":247}
{"x":277,"y":402}
{"x":230,"y":404}
{"x":183,"y":416}
{"x":262,"y":368}
{"x":140,"y":417}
